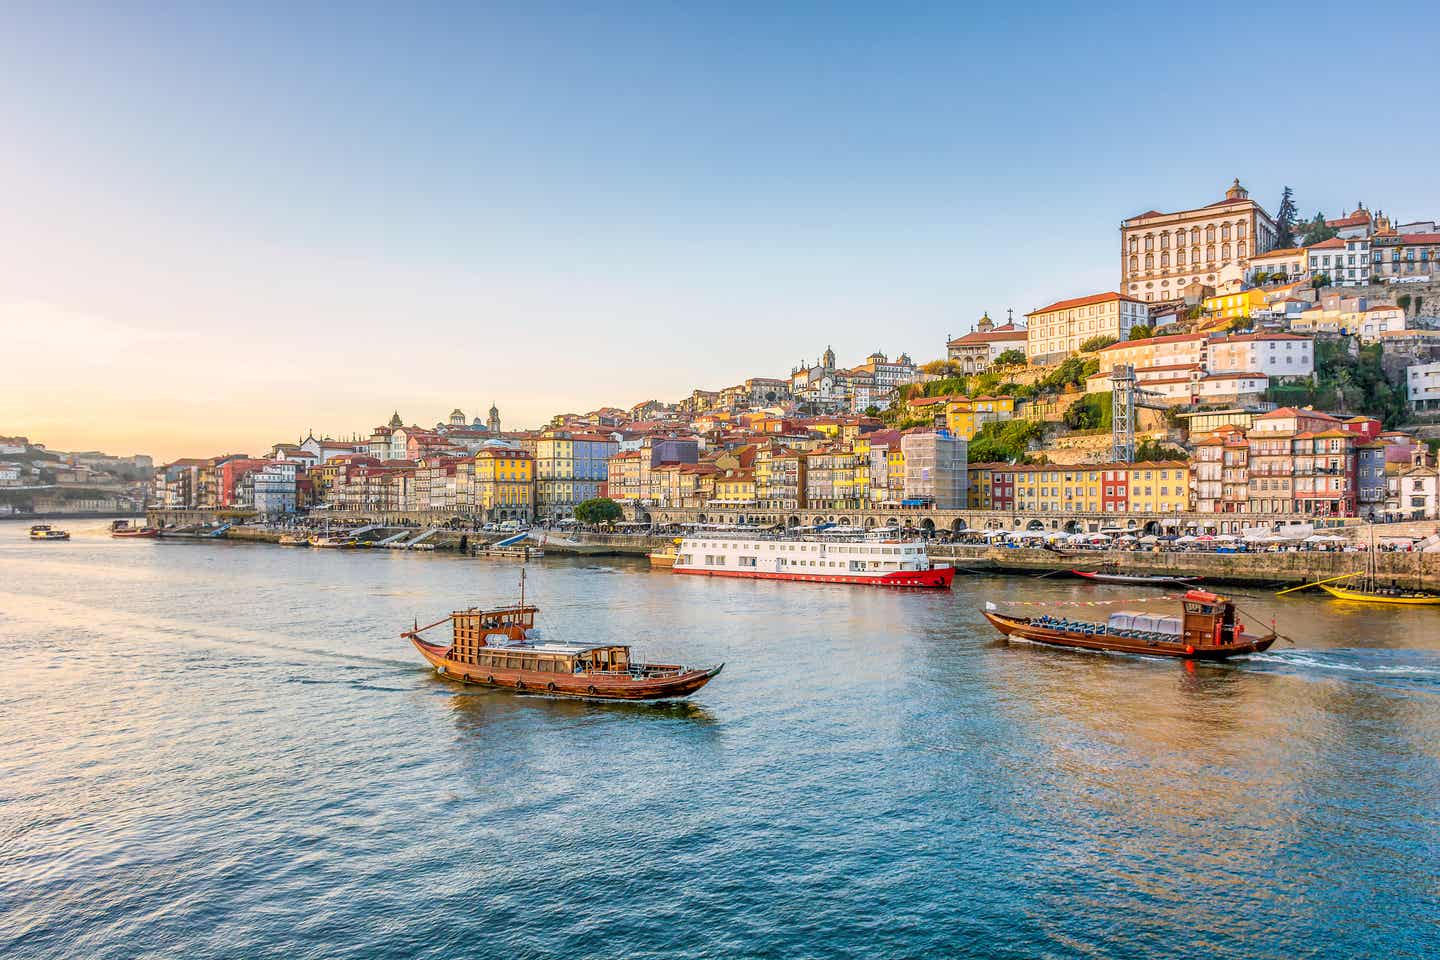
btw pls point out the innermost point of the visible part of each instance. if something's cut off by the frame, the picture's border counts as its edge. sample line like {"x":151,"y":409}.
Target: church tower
{"x":493,"y":423}
{"x":985,"y":324}
{"x":395,"y":422}
{"x":827,"y":359}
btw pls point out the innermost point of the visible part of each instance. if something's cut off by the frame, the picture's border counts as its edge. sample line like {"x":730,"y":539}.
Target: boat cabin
{"x":1209,"y":620}
{"x":505,"y":639}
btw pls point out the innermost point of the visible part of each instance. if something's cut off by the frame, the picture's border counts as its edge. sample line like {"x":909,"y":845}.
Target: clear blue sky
{"x":556,"y":207}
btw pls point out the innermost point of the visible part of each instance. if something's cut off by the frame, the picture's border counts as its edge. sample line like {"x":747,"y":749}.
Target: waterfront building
{"x":569,"y":469}
{"x":780,"y":478}
{"x":1146,"y":487}
{"x":885,"y":466}
{"x":1054,"y":332}
{"x":1162,"y":253}
{"x":734,"y":488}
{"x":1411,"y":491}
{"x":273,"y":488}
{"x":502,"y":483}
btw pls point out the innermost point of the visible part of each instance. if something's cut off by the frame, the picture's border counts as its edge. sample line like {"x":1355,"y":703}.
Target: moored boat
{"x":856,"y":560}
{"x":664,"y":556}
{"x":500,"y":647}
{"x":1373,"y":592}
{"x":294,"y":540}
{"x":1207,"y":629}
{"x":1135,"y":580}
{"x":43,"y":531}
{"x":124,"y":529}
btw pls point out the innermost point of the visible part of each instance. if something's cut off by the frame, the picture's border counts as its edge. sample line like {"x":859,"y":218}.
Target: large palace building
{"x":1163,"y":253}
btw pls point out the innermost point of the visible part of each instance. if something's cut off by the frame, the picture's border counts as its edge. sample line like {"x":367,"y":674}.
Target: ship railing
{"x":638,"y":673}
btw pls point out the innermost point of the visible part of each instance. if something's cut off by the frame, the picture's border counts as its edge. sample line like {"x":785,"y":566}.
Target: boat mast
{"x":522,"y":587}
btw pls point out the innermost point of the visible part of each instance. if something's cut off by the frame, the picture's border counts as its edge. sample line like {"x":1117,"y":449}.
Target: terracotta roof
{"x":1359,"y":218}
{"x":998,"y":334}
{"x":1083,"y":302}
{"x":1334,"y":243}
{"x":1148,"y":341}
{"x":1415,"y":238}
{"x":1381,"y":306}
{"x":1251,"y":337}
{"x":1236,"y":376}
{"x":1283,"y":252}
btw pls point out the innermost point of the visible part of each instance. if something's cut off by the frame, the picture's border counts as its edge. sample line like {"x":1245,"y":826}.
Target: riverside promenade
{"x":1269,"y":567}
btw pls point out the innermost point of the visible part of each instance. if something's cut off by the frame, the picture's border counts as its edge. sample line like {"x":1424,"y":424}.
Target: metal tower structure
{"x":1125,"y":399}
{"x":1122,"y":413}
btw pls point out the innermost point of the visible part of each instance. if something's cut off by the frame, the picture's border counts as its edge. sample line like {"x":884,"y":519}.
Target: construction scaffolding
{"x":936,"y":469}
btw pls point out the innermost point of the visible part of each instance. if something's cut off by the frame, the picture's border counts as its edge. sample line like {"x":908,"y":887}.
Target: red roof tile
{"x":1083,"y":302}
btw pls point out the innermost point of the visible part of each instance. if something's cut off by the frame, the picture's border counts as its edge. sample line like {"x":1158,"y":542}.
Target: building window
{"x":1210,"y":252}
{"x":1210,"y":234}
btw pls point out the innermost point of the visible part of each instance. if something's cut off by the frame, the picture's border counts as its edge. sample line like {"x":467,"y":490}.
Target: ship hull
{"x":142,"y":534}
{"x":936,"y":578}
{"x":1021,"y":629}
{"x":576,"y":686}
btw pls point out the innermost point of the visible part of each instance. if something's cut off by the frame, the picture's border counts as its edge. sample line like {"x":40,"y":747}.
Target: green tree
{"x":1096,"y":343}
{"x":1090,"y":412}
{"x":1317,"y":231}
{"x":1285,"y":220}
{"x":1011,"y":358}
{"x":1319,"y":280}
{"x":598,"y":510}
{"x":1004,"y":440}
{"x":1403,"y":302}
{"x":1142,"y":331}
{"x":872,"y":411}
{"x":1150,"y":450}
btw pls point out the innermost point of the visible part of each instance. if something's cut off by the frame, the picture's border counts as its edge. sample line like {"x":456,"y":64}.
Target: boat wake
{"x":1416,"y":668}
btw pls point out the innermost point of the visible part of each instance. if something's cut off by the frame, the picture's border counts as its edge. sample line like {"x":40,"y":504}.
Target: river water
{"x":224,"y":750}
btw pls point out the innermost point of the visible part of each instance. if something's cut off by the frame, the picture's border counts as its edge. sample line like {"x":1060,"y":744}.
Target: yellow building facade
{"x":502,"y":483}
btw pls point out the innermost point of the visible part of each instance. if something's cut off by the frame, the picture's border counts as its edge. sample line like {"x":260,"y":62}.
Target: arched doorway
{"x":1153,"y":528}
{"x":869,"y":521}
{"x":1073,"y":526}
{"x":844,"y":521}
{"x":1035,"y":525}
{"x":793,"y":522}
{"x":927,"y":525}
{"x":957,"y":525}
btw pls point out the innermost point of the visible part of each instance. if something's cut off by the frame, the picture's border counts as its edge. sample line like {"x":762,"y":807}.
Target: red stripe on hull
{"x":937,"y":579}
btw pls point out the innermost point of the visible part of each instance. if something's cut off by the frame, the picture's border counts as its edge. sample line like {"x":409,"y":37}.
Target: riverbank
{"x":1267,"y":568}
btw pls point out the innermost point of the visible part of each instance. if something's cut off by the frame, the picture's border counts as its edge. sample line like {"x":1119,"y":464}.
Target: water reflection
{"x":238,"y":732}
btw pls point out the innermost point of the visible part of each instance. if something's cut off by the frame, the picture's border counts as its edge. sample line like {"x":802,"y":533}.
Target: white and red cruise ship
{"x":880,"y":563}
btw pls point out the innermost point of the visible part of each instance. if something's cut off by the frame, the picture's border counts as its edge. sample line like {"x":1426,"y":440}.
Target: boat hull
{"x":1019,"y":628}
{"x":145,"y":533}
{"x":1359,"y":596}
{"x":50,"y":536}
{"x":576,"y":686}
{"x":1135,"y":581}
{"x":936,"y":578}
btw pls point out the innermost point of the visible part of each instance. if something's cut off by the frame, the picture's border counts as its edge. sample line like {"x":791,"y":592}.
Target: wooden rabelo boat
{"x":124,"y":530}
{"x":1102,"y":576}
{"x":1205,"y":630}
{"x":499,"y":648}
{"x":1371,"y":588}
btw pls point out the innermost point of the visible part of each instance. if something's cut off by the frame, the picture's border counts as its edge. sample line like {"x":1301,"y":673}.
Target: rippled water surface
{"x":224,"y":750}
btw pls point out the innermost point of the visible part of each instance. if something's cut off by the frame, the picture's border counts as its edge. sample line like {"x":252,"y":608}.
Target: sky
{"x":227,"y":224}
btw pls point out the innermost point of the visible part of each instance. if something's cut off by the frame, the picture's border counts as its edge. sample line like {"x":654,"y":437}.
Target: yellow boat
{"x":1367,"y":596}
